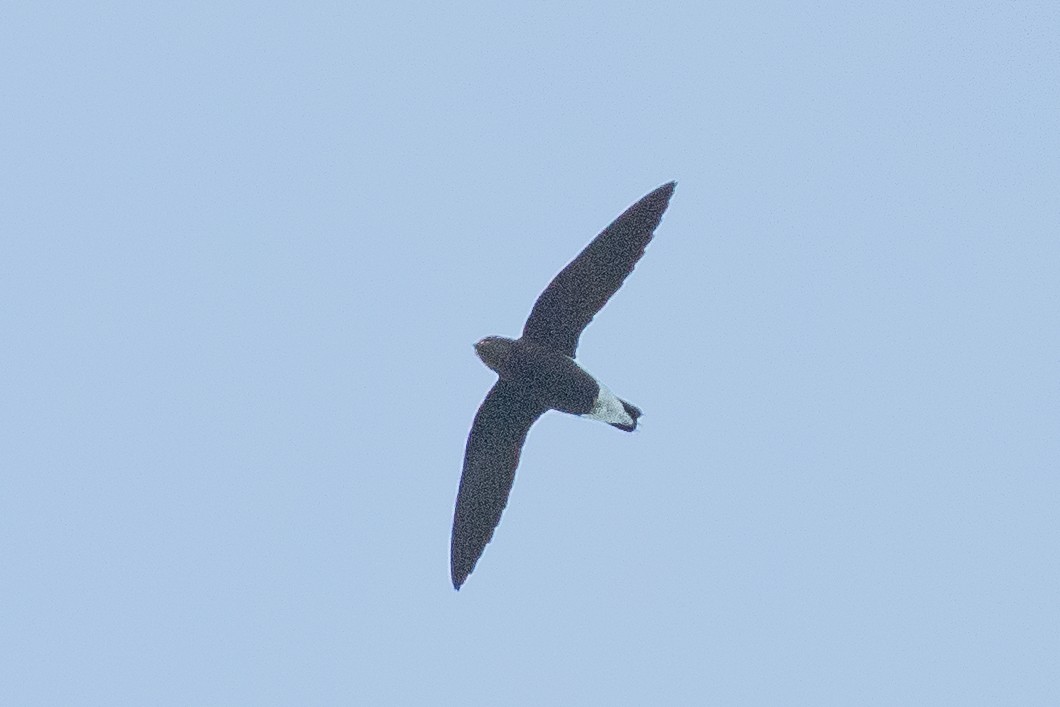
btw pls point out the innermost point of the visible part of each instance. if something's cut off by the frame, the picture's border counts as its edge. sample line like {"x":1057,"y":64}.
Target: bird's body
{"x":555,"y":380}
{"x":537,"y":372}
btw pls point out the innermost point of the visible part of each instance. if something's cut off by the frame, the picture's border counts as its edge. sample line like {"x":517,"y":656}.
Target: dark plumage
{"x":537,"y":372}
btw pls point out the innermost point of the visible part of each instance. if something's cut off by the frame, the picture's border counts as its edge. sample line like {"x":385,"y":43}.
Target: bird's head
{"x":494,"y":351}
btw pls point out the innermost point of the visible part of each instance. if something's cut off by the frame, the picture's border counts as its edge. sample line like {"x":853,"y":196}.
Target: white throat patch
{"x":608,"y":408}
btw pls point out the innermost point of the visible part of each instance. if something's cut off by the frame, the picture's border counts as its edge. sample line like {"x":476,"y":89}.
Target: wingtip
{"x":664,"y":192}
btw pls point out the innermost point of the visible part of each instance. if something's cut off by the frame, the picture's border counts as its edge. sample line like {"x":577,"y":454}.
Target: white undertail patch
{"x":608,"y":408}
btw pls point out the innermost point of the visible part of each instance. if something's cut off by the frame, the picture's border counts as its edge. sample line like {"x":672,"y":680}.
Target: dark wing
{"x":492,"y":453}
{"x":582,"y":288}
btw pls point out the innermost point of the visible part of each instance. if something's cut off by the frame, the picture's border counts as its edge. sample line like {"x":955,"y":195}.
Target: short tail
{"x":634,"y":413}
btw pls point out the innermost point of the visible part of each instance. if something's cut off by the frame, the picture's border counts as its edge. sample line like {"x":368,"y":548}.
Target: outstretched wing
{"x":582,"y":288}
{"x":490,"y":459}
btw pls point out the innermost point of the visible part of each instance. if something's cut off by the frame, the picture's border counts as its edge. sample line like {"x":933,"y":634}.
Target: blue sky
{"x":246,"y":250}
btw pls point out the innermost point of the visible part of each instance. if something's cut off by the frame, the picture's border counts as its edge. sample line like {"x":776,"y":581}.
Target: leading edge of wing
{"x":490,"y":459}
{"x":584,"y":286}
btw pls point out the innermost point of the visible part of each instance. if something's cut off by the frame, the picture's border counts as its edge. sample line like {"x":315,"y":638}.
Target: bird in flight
{"x":537,"y":372}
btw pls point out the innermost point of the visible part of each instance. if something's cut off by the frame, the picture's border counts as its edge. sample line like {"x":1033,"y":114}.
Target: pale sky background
{"x":246,"y":250}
